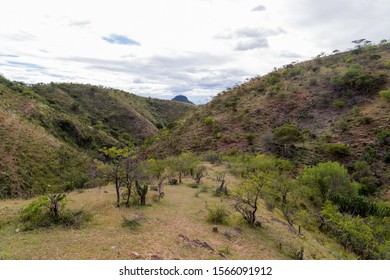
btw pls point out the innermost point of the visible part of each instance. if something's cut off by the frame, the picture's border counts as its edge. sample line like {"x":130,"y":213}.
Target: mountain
{"x":328,"y":108}
{"x":52,"y":131}
{"x":182,"y":98}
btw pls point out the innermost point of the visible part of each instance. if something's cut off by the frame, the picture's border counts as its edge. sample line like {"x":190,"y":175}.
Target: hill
{"x":328,"y":108}
{"x":47,"y":126}
{"x":182,"y":98}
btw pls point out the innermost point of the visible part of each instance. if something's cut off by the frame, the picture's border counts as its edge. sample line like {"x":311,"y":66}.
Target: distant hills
{"x":182,"y":98}
{"x":47,"y":130}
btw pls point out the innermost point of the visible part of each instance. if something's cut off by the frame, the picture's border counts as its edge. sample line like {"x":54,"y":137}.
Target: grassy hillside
{"x":331,"y":103}
{"x":174,"y":228}
{"x":51,"y":132}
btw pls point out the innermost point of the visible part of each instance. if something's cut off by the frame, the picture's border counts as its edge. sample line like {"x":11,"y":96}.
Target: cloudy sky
{"x":162,"y":48}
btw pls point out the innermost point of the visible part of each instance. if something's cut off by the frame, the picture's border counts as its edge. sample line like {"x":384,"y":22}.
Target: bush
{"x":173,"y":182}
{"x":385,"y":95}
{"x":339,"y":104}
{"x":208,"y":121}
{"x":338,"y":150}
{"x":217,"y":214}
{"x":49,"y":210}
{"x":133,"y":222}
{"x":212,"y":157}
{"x":366,"y":237}
{"x":327,"y":179}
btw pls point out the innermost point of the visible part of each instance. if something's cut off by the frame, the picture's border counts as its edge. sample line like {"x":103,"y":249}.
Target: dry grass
{"x":181,"y":212}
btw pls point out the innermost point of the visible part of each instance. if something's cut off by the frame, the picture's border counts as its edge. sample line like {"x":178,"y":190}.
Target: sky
{"x":162,"y":48}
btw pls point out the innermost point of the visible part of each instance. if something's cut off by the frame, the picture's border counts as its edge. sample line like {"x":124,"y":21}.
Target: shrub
{"x":365,"y":120}
{"x":49,"y":210}
{"x":385,"y":95}
{"x":327,"y":178}
{"x":212,"y":157}
{"x":133,"y":222}
{"x":339,"y":104}
{"x":338,"y":150}
{"x":217,"y":214}
{"x":208,"y":121}
{"x":173,"y":182}
{"x":366,"y":237}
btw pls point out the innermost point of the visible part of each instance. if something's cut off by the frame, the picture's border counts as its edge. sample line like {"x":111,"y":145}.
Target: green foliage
{"x":357,"y":80}
{"x":360,"y":206}
{"x":49,"y":210}
{"x":273,"y":78}
{"x":142,"y":190}
{"x":385,"y":95}
{"x":339,"y":104}
{"x":326,"y":179}
{"x":339,"y":150}
{"x":132,"y":223}
{"x":343,"y":125}
{"x":370,"y":154}
{"x":212,"y":157}
{"x":208,"y":121}
{"x":217,"y":213}
{"x":367,"y":237}
{"x":286,"y":134}
{"x":383,"y":137}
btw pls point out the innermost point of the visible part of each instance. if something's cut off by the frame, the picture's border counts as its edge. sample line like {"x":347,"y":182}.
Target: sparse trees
{"x":183,"y":164}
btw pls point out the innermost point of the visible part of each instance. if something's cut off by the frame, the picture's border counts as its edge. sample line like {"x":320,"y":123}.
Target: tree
{"x":326,"y":179}
{"x":199,"y":173}
{"x":113,"y":172}
{"x":130,"y":173}
{"x":183,"y":164}
{"x":247,"y":195}
{"x":158,"y":170}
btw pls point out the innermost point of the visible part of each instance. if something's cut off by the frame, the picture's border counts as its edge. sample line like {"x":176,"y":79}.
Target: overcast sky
{"x":162,"y":48}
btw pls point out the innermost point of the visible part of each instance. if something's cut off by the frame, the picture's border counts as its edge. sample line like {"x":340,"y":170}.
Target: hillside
{"x":174,"y":228}
{"x":51,"y":132}
{"x":331,"y":103}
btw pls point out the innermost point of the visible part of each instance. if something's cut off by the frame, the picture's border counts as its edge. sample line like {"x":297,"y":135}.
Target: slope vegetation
{"x":51,"y":132}
{"x":328,"y":108}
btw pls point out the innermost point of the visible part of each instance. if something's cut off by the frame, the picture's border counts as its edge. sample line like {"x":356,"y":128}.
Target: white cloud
{"x":160,"y":48}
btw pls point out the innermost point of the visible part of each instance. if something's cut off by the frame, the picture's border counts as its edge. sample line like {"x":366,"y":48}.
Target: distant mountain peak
{"x":182,"y":98}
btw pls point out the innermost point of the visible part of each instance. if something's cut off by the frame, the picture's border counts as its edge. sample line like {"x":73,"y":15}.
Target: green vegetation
{"x":385,"y":95}
{"x":254,"y":161}
{"x":50,"y":210}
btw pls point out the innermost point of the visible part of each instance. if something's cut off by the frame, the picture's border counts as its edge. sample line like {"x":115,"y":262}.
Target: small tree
{"x":328,"y":178}
{"x":183,"y":164}
{"x":158,"y":170}
{"x":199,"y":173}
{"x":130,"y":173}
{"x":113,"y":172}
{"x":247,"y":195}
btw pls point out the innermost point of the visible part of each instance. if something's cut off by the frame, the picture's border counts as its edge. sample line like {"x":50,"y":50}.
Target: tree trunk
{"x":117,"y":187}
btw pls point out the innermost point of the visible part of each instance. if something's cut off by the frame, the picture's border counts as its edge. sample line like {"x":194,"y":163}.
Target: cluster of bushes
{"x":356,"y":80}
{"x":325,"y":192}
